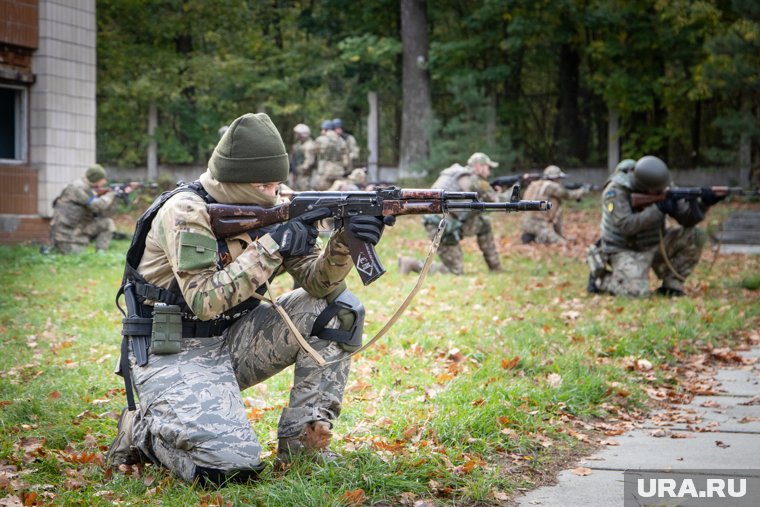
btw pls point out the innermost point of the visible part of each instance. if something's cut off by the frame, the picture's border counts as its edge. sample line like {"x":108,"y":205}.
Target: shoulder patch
{"x":610,"y":207}
{"x":196,"y":251}
{"x":609,"y":194}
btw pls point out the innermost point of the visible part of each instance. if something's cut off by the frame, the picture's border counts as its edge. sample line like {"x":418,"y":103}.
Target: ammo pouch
{"x":348,"y":339}
{"x":166,"y":335}
{"x":452,"y":230}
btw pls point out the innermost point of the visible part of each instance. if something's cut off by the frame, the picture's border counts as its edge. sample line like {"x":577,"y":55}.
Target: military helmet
{"x":302,"y":129}
{"x":327,"y":125}
{"x":650,"y":174}
{"x":625,"y":166}
{"x":337,"y":123}
{"x":553,"y":172}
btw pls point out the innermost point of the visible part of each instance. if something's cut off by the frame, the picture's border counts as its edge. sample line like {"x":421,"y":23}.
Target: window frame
{"x":21,"y":105}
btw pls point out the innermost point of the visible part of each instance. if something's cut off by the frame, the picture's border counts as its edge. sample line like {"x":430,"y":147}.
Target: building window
{"x":12,"y":124}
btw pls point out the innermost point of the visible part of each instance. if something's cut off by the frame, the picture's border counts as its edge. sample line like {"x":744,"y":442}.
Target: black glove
{"x":368,"y":228}
{"x":711,"y":198}
{"x":297,"y":237}
{"x":669,"y":206}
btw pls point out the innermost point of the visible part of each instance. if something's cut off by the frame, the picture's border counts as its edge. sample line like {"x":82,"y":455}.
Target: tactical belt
{"x":143,"y":326}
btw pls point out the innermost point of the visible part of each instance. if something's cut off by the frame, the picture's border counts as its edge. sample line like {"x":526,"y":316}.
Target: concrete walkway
{"x":732,"y":443}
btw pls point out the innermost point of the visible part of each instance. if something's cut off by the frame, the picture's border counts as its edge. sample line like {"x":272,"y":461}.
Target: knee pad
{"x":350,"y":312}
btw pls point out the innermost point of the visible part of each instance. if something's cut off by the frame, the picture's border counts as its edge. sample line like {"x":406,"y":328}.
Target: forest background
{"x":528,"y":82}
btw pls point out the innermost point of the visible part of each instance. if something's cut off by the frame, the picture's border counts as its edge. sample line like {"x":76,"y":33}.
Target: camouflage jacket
{"x":181,"y":246}
{"x":549,"y":190}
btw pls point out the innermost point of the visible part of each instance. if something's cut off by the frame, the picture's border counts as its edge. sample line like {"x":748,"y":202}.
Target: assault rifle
{"x":524,"y":179}
{"x":233,"y":219}
{"x":511,"y":180}
{"x":689,"y":193}
{"x":121,"y":189}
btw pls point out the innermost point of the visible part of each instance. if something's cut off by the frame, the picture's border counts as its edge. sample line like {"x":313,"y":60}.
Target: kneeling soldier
{"x":211,"y":337}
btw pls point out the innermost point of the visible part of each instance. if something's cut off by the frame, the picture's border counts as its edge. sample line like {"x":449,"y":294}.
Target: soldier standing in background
{"x":633,"y":240}
{"x":473,"y":178}
{"x":191,"y":418}
{"x":82,"y":213}
{"x":332,"y":157}
{"x":303,"y":158}
{"x":546,"y":227}
{"x":351,"y":145}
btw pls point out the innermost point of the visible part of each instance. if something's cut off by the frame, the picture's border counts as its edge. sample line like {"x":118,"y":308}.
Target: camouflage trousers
{"x":192,"y":419}
{"x":302,"y":179}
{"x":630,"y":269}
{"x":450,"y":251}
{"x":542,"y":231}
{"x":67,"y":240}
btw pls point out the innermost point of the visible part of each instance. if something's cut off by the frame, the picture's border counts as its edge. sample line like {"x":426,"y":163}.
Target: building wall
{"x":62,"y":118}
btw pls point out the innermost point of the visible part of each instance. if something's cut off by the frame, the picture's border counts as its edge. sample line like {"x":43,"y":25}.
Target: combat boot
{"x":408,"y":265}
{"x":122,"y":452}
{"x":312,"y":445}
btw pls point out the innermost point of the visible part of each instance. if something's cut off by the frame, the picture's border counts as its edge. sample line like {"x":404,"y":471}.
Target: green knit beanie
{"x":250,"y":151}
{"x":95,"y":173}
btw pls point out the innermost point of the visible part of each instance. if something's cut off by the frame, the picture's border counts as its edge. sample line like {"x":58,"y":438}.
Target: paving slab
{"x":739,"y":382}
{"x":602,"y":487}
{"x":711,"y":413}
{"x":638,"y":450}
{"x":605,"y":488}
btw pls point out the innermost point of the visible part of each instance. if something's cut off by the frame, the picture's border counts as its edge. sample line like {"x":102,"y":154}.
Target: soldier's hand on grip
{"x":712,"y":198}
{"x":297,"y":237}
{"x":669,"y":206}
{"x":368,"y":228}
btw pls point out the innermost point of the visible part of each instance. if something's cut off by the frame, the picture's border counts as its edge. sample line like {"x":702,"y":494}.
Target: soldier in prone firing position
{"x":546,"y":227}
{"x":635,"y":239}
{"x":473,"y":178}
{"x":212,"y":338}
{"x":82,"y":213}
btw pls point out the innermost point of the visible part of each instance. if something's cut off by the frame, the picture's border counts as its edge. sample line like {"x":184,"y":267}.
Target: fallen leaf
{"x":354,"y":497}
{"x":721,"y":444}
{"x":554,"y":380}
{"x":581,"y":471}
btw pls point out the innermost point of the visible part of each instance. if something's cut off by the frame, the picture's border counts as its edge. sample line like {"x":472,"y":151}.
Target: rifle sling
{"x":407,"y":301}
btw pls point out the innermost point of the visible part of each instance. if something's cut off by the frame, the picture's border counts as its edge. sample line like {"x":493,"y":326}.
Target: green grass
{"x":474,"y":392}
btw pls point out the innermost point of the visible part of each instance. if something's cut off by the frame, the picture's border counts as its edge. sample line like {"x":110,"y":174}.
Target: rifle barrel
{"x":499,"y":206}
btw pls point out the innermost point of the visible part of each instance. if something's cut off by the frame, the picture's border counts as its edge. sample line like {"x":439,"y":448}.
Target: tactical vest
{"x":145,"y":290}
{"x":449,"y":178}
{"x":612,"y":238}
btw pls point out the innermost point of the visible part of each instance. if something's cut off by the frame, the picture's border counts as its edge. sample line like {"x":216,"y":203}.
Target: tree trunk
{"x":415,"y":84}
{"x":745,"y":144}
{"x":152,"y":144}
{"x":569,"y":130}
{"x":613,"y":140}
{"x":373,"y":144}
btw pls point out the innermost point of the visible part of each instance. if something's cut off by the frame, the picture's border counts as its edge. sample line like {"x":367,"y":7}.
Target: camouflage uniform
{"x":332,"y":160}
{"x":546,"y":226}
{"x":352,"y":147}
{"x":80,"y":216}
{"x":304,"y":159}
{"x":192,"y":416}
{"x":631,"y":241}
{"x":458,"y":178}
